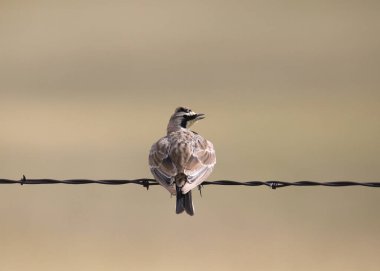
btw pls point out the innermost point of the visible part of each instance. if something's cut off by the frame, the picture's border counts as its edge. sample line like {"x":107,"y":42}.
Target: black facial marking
{"x":191,"y":117}
{"x":183,"y":122}
{"x":183,"y":109}
{"x":186,"y":118}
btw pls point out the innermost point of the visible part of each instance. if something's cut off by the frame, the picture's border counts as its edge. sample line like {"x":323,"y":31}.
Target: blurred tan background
{"x":291,"y":92}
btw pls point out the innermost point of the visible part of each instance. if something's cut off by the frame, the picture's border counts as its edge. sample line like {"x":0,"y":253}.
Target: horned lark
{"x":182,"y":159}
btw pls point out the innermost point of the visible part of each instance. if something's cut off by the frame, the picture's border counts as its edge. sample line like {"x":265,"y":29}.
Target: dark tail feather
{"x":184,"y":202}
{"x":180,"y":205}
{"x":189,"y":208}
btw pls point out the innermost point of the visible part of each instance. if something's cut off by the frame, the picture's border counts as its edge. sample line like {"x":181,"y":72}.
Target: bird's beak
{"x":199,"y":116}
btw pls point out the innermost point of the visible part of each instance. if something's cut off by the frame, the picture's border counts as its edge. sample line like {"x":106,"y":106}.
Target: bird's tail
{"x":184,"y":202}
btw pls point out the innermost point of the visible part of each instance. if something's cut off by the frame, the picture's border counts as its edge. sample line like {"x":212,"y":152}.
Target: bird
{"x":183,"y":159}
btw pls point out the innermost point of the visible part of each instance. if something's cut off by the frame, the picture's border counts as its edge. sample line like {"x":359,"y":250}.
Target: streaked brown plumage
{"x":182,"y":159}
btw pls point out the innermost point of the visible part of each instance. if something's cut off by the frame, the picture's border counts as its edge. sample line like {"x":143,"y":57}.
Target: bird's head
{"x":184,"y":117}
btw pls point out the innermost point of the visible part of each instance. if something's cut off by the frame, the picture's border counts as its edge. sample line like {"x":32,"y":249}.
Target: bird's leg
{"x":172,"y":180}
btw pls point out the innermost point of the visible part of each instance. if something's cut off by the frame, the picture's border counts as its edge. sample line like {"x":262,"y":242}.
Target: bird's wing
{"x":161,"y":165}
{"x":200,"y":164}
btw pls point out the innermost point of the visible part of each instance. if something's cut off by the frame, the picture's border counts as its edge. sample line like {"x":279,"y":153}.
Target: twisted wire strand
{"x":145,"y":182}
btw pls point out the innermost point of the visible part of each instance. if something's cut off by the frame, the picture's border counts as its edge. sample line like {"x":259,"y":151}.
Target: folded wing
{"x":161,"y":165}
{"x":200,"y":164}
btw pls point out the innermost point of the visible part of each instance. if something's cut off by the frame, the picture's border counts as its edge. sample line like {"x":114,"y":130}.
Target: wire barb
{"x":23,"y":180}
{"x":200,"y":189}
{"x":145,"y":183}
{"x":274,"y":185}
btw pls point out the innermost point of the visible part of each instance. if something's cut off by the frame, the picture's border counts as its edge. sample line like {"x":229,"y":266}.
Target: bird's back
{"x":182,"y":152}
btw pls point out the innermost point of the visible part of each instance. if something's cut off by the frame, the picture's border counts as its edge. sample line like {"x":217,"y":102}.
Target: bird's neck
{"x":174,"y":128}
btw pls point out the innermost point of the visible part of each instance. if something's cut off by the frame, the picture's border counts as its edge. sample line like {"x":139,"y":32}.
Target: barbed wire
{"x":145,"y":182}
